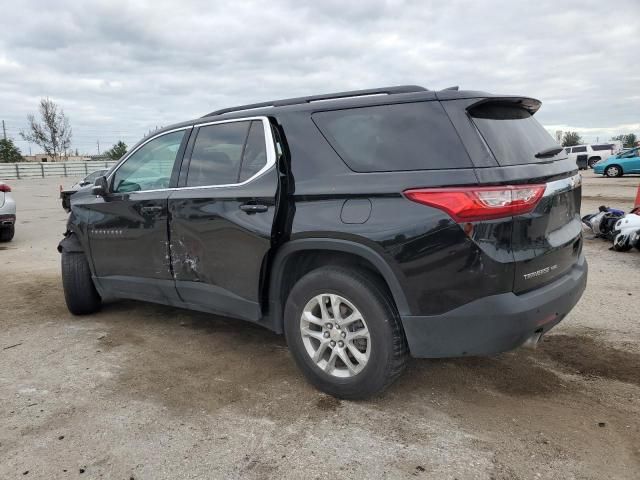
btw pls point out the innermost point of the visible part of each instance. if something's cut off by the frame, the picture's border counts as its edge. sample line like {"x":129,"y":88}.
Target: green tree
{"x":52,"y":132}
{"x":570,"y":139}
{"x":629,"y":140}
{"x":9,"y":152}
{"x":117,"y":151}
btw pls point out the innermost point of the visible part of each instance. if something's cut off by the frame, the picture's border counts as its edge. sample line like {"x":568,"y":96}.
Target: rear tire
{"x":382,"y":356}
{"x":613,"y":171}
{"x":7,"y":233}
{"x":80,"y":293}
{"x":592,"y":161}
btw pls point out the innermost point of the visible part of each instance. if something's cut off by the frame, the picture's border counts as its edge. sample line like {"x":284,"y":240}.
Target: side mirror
{"x":101,"y":186}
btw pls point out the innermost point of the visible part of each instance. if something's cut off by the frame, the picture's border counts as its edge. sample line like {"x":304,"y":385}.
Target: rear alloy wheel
{"x":335,"y":335}
{"x":344,"y":332}
{"x":613,"y":171}
{"x":593,"y":161}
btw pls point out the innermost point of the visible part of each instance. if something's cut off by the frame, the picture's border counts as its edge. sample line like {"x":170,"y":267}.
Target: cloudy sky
{"x":119,"y":68}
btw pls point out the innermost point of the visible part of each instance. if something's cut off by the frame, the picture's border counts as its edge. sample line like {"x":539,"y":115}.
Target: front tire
{"x":7,"y":233}
{"x":344,"y":332}
{"x":613,"y":171}
{"x":80,"y":293}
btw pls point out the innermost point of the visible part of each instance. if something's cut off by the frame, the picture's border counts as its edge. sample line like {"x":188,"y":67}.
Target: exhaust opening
{"x":532,"y":342}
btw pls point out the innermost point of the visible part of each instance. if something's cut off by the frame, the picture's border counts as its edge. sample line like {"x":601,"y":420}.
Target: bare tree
{"x":53,"y":132}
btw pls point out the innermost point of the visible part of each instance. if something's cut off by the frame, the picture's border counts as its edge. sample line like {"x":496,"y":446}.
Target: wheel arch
{"x":70,"y":243}
{"x":315,"y":252}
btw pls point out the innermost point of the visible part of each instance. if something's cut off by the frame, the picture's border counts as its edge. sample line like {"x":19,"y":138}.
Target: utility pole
{"x":98,"y":147}
{"x":4,"y":131}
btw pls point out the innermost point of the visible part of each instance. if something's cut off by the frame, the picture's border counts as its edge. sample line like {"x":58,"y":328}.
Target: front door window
{"x":149,"y":167}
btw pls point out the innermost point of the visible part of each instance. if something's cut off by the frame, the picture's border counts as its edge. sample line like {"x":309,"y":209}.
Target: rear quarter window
{"x":397,"y":137}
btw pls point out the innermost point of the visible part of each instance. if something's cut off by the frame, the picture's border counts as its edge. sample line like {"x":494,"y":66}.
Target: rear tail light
{"x":4,"y":187}
{"x":471,"y":204}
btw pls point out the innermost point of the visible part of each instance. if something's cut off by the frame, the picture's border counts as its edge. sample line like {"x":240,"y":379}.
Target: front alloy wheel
{"x":613,"y":171}
{"x":335,"y":335}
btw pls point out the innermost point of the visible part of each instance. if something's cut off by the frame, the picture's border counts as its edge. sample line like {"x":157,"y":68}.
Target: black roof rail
{"x":326,"y":96}
{"x":456,"y":88}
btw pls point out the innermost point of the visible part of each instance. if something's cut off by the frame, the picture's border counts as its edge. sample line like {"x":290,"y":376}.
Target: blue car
{"x":617,"y":165}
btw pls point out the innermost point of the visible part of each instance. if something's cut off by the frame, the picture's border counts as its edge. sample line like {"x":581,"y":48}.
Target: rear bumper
{"x":497,"y":323}
{"x":7,"y":220}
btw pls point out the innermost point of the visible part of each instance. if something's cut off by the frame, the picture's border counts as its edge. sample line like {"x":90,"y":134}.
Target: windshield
{"x":629,"y":153}
{"x":513,"y":135}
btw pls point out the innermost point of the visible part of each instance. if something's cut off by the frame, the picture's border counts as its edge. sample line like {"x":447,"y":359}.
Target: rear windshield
{"x":406,"y":136}
{"x":512,"y":134}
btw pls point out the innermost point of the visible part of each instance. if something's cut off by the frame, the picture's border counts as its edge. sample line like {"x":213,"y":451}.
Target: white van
{"x":587,"y":155}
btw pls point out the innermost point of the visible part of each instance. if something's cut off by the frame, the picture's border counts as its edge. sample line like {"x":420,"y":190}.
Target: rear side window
{"x":579,"y":149}
{"x":407,"y":136}
{"x":512,"y":134}
{"x":599,"y":148}
{"x":227,"y":153}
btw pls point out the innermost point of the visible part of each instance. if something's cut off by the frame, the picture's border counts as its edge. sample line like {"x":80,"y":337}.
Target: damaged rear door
{"x":222,"y":215}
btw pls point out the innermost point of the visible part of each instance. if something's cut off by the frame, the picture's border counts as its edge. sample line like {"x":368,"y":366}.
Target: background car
{"x":90,"y":179}
{"x":617,"y":165}
{"x":591,"y":153}
{"x":7,"y":213}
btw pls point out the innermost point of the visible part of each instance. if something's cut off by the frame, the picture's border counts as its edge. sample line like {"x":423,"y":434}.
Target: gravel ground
{"x":147,"y":392}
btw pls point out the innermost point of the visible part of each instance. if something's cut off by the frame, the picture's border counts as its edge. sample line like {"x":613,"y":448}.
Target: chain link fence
{"x":17,"y":171}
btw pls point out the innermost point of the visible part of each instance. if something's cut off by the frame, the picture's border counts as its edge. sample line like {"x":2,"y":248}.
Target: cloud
{"x":121,"y":68}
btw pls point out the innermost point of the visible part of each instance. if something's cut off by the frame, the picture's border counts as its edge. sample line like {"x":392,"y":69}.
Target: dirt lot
{"x":148,"y":392}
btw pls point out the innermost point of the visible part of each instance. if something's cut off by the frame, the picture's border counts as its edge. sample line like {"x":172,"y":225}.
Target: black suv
{"x":366,"y":226}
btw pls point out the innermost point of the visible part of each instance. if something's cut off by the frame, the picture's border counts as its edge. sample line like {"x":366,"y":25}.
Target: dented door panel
{"x":218,"y":249}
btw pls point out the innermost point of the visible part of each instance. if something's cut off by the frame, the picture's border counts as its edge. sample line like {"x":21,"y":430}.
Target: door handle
{"x":152,"y":209}
{"x":253,"y":208}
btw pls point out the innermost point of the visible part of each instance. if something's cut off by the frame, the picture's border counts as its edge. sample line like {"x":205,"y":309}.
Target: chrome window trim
{"x":563,"y":185}
{"x":269,"y":146}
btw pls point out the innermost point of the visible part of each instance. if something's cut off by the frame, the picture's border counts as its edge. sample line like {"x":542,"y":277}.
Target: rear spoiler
{"x":531,"y":105}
